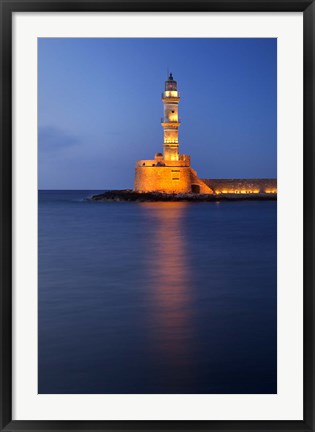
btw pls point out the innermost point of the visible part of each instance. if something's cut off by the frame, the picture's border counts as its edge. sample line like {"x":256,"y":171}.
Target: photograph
{"x":157,"y":215}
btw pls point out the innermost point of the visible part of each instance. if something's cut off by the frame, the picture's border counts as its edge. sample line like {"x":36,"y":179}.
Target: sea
{"x":156,"y":298}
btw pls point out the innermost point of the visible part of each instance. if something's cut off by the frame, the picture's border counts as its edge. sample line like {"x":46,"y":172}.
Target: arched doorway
{"x":195,"y":188}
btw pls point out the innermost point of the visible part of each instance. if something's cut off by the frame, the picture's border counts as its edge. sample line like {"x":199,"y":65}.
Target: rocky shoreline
{"x":129,"y":195}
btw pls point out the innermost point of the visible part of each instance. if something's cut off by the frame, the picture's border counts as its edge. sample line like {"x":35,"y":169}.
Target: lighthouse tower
{"x":170,"y":122}
{"x":169,"y":172}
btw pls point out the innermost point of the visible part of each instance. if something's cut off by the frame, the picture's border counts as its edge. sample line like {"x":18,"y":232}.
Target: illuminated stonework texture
{"x":170,"y":171}
{"x":242,"y":186}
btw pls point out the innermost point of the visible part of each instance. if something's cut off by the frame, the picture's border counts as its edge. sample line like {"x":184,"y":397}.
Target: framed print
{"x":157,"y":215}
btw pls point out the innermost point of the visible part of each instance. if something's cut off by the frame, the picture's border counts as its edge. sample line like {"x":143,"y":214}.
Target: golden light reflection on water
{"x":170,"y":285}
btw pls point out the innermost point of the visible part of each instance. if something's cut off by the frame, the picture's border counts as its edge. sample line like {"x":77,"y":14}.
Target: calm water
{"x":156,"y":297}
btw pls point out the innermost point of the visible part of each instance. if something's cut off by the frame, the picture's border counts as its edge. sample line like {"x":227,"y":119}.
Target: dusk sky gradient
{"x":100,"y":108}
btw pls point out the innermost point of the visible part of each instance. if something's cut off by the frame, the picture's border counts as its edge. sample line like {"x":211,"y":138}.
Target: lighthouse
{"x":169,"y":172}
{"x":170,"y":121}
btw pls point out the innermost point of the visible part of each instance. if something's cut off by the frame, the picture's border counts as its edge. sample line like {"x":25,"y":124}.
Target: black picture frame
{"x":7,"y":8}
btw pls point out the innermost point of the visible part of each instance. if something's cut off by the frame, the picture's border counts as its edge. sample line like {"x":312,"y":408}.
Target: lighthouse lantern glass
{"x":170,"y":85}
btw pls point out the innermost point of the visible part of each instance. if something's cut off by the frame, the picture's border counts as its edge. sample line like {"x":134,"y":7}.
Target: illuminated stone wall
{"x":169,"y":179}
{"x":242,"y":186}
{"x":162,"y":179}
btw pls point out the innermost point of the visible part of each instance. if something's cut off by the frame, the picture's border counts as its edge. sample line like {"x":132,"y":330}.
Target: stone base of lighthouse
{"x":168,"y":177}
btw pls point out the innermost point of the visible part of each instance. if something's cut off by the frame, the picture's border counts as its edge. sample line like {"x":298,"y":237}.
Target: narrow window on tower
{"x":175,"y":175}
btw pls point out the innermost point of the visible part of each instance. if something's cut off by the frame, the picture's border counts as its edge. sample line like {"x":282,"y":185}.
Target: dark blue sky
{"x":100,"y":107}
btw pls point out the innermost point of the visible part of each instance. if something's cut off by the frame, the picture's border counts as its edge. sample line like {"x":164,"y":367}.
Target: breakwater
{"x":132,"y":196}
{"x":242,"y":186}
